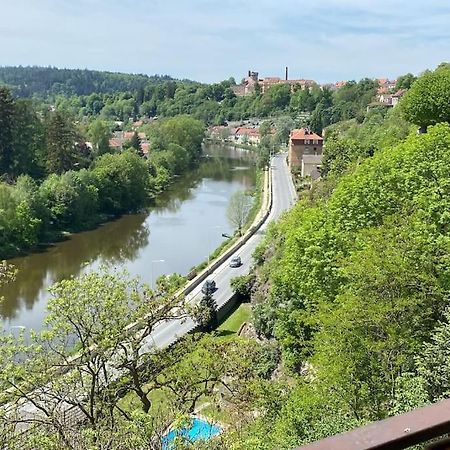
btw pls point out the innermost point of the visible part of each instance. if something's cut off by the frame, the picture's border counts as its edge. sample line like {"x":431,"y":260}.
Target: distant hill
{"x":47,"y":81}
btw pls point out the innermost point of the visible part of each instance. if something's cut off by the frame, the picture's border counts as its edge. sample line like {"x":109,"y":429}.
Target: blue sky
{"x":208,"y":40}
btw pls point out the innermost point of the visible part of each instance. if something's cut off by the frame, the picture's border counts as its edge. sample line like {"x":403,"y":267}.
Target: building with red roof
{"x":305,"y":152}
{"x":244,"y":135}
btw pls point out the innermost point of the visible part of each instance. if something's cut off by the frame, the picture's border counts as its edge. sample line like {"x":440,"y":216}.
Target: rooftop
{"x":305,"y":133}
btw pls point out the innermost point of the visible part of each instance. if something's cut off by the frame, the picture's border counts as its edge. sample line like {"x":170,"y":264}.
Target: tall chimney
{"x":286,"y":73}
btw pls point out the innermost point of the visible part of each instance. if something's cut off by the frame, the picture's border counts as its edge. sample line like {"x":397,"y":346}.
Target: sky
{"x":209,"y":41}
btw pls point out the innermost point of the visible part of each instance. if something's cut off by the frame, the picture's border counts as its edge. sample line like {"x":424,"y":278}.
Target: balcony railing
{"x":395,"y":433}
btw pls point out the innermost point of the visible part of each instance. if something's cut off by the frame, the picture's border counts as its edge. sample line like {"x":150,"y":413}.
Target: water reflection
{"x":181,"y":229}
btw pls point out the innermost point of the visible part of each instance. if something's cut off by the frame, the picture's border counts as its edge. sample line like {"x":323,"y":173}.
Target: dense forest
{"x":48,"y":81}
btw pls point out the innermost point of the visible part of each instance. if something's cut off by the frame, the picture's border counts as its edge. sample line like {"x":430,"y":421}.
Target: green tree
{"x":136,"y":143}
{"x":405,"y":81}
{"x":243,"y":285}
{"x":123,"y":182}
{"x":100,"y":134}
{"x":426,"y":103}
{"x":339,"y":154}
{"x":239,"y":209}
{"x":93,"y":314}
{"x":7,"y":111}
{"x":61,"y":148}
{"x":205,"y":313}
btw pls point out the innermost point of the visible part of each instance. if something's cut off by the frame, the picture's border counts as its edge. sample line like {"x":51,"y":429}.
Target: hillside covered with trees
{"x":47,"y":81}
{"x":114,"y":96}
{"x":353,"y":283}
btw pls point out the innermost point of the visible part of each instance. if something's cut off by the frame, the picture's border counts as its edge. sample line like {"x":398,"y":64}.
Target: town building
{"x":305,"y":152}
{"x":120,"y":137}
{"x":250,"y":82}
{"x":391,"y":99}
{"x":244,"y":135}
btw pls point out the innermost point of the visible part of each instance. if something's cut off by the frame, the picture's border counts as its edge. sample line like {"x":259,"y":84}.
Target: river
{"x":183,"y":227}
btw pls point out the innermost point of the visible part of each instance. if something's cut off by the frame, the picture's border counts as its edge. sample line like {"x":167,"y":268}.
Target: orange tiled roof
{"x":115,"y":143}
{"x":247,"y":131}
{"x":303,"y":133}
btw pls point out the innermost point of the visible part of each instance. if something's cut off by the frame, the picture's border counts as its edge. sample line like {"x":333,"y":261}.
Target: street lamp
{"x":213,"y":227}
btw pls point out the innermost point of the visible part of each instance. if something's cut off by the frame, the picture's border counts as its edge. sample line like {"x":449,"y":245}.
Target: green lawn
{"x":231,"y":325}
{"x":227,"y":330}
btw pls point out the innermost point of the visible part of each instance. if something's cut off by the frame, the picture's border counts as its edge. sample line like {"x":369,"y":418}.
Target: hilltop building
{"x":249,"y":83}
{"x":305,"y":152}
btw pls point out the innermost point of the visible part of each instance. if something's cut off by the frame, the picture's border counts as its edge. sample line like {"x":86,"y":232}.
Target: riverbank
{"x":183,"y":226}
{"x":258,"y":195}
{"x":232,"y":144}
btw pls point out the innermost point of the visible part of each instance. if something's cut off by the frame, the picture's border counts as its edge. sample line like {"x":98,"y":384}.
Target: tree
{"x":109,"y":320}
{"x":205,"y":313}
{"x":7,"y":109}
{"x":123,"y":182}
{"x":427,"y":102}
{"x":405,"y":81}
{"x":29,"y":141}
{"x":99,"y":134}
{"x":339,"y":154}
{"x":135,"y":143}
{"x":243,"y":285}
{"x":284,"y":126}
{"x":61,"y":149}
{"x":239,"y":209}
{"x":280,"y":95}
{"x":433,"y":363}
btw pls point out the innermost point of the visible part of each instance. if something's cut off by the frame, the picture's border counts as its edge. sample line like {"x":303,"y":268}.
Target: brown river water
{"x":179,"y":231}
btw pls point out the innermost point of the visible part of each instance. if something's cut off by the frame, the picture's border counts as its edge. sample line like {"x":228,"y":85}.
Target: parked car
{"x":209,"y":286}
{"x":235,"y":261}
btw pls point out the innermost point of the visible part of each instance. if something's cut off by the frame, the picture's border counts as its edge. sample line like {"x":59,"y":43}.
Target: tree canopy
{"x":427,"y":102}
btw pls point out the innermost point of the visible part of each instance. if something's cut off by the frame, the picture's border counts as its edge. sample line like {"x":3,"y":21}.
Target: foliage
{"x":6,"y":130}
{"x":349,"y":143}
{"x":82,"y":186}
{"x":242,"y":285}
{"x":205,"y":313}
{"x":123,"y":182}
{"x":427,"y":102}
{"x":63,"y":150}
{"x":405,"y":81}
{"x":238,"y":209}
{"x":353,"y":287}
{"x":93,"y":314}
{"x":27,"y":81}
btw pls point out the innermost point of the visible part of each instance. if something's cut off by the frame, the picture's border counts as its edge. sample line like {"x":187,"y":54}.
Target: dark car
{"x":235,"y":261}
{"x":209,"y":286}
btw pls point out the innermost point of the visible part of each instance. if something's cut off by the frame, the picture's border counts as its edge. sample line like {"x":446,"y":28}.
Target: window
{"x":306,"y":141}
{"x":315,"y":141}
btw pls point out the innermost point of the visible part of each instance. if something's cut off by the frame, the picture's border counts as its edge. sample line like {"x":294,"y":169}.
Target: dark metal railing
{"x":396,"y":433}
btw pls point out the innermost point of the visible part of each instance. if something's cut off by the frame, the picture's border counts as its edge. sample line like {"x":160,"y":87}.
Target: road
{"x":283,"y":198}
{"x":168,"y":332}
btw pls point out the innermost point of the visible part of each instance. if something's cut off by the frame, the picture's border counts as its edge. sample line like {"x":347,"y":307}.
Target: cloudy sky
{"x":209,"y":40}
